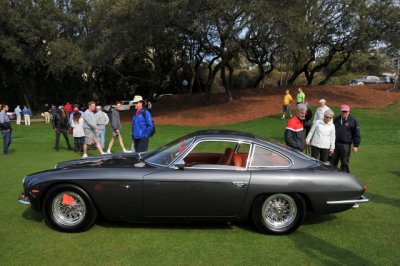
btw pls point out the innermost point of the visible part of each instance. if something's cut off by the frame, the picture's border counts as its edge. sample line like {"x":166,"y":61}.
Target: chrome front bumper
{"x":361,"y":199}
{"x":23,"y":199}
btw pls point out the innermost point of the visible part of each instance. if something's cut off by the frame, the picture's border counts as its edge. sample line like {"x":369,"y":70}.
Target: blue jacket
{"x":26,"y":111}
{"x":142,"y":124}
{"x":347,"y":132}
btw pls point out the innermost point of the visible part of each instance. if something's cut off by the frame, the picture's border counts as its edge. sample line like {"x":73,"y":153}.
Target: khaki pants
{"x":47,"y":117}
{"x":27,"y":120}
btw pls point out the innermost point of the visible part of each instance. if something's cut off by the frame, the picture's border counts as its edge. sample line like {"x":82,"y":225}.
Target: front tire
{"x":278,"y":214}
{"x":68,"y":208}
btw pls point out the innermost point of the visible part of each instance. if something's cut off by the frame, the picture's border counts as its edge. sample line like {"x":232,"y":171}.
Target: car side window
{"x":223,"y":154}
{"x":263,"y":157}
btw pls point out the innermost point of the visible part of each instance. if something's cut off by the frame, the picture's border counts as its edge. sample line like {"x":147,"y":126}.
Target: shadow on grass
{"x":166,"y":225}
{"x":32,"y":215}
{"x":324,"y":252}
{"x":396,"y":173}
{"x":382,"y":199}
{"x":313,"y":218}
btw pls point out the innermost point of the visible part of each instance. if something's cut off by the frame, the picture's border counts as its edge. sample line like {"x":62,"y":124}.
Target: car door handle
{"x":239,"y":184}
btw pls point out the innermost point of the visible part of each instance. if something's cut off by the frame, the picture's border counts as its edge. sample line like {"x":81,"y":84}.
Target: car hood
{"x":106,"y":161}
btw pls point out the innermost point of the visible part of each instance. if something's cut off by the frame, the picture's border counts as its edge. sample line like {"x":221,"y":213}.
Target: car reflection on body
{"x":210,"y":175}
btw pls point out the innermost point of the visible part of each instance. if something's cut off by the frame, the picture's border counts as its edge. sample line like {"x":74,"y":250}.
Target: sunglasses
{"x":330,"y":117}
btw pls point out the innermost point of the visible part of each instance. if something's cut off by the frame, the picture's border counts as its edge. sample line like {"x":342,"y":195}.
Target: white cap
{"x":98,"y":107}
{"x":137,"y":98}
{"x":322,"y":101}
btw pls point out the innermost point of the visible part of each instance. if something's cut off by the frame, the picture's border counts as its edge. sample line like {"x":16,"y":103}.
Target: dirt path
{"x":189,"y":110}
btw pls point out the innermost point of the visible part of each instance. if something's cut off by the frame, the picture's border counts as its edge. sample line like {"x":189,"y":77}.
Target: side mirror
{"x":180,"y":164}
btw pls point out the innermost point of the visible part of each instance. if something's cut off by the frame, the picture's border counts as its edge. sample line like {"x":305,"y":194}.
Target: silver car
{"x":367,"y":80}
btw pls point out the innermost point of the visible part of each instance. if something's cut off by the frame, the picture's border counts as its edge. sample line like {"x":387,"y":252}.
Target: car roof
{"x":222,"y":132}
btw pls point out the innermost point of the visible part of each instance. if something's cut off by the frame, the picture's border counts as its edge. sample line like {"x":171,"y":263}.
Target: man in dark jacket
{"x":294,"y":131}
{"x":347,"y":133}
{"x":5,"y":128}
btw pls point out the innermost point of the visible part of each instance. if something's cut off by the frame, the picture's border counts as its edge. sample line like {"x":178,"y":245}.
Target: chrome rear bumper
{"x":361,"y":199}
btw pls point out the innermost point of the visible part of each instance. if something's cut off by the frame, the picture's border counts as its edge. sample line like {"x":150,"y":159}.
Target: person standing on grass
{"x":5,"y":127}
{"x":322,"y":137}
{"x":101,"y":120}
{"x":287,"y":100}
{"x":300,"y":97}
{"x":78,"y":132}
{"x":27,"y":115}
{"x":18,"y":112}
{"x":142,"y":125}
{"x":294,"y":132}
{"x":60,"y":125}
{"x":91,"y":130}
{"x":307,"y":120}
{"x":347,"y":133}
{"x":116,"y":128}
{"x":319,"y":113}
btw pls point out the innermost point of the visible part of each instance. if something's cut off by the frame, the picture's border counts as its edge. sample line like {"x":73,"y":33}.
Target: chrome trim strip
{"x":362,"y":199}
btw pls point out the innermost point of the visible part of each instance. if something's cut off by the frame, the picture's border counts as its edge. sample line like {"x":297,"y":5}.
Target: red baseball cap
{"x":345,"y":108}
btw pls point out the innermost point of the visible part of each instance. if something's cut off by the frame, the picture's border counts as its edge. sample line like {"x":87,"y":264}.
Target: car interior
{"x":231,"y":156}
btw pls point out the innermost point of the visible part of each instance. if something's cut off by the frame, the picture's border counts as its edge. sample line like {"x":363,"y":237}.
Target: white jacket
{"x":319,"y":114}
{"x":322,"y":135}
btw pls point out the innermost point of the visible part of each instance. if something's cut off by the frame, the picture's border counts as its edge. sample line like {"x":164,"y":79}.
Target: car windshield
{"x":167,"y":154}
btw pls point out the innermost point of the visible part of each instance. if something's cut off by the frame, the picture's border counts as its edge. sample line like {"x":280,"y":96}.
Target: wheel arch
{"x":66,"y":183}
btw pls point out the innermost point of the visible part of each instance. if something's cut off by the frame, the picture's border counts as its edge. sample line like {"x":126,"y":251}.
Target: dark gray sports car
{"x":210,"y":175}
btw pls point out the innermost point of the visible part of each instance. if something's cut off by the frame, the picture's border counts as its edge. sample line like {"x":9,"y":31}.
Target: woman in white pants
{"x":322,"y":136}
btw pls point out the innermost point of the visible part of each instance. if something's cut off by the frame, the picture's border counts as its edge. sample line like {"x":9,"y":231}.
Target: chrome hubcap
{"x":68,"y":208}
{"x":279,"y":210}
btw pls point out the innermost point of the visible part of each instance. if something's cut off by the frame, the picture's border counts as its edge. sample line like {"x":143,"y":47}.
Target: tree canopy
{"x":79,"y":50}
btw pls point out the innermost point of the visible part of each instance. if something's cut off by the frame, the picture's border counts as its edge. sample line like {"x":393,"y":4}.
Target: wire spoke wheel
{"x":279,"y":210}
{"x":70,"y":212}
{"x":278,"y":213}
{"x":69,"y":208}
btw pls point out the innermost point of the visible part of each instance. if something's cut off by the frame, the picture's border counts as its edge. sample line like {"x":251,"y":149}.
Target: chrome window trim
{"x":273,"y":151}
{"x":220,"y":139}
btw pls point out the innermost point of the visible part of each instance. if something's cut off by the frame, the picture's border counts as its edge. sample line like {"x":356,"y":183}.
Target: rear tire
{"x":278,"y":214}
{"x":68,"y":208}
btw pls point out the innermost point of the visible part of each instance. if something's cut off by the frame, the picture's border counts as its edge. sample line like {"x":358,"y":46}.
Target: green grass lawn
{"x":369,"y":235}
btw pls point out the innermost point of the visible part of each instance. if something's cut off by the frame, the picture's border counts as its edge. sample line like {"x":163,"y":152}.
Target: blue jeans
{"x":102,"y":135}
{"x":7,"y":140}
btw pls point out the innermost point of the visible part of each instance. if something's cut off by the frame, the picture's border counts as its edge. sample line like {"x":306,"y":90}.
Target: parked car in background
{"x":209,"y":175}
{"x":366,"y":80}
{"x":125,"y":105}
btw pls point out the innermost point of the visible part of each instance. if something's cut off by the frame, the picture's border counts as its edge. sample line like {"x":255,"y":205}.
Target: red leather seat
{"x":226,"y":159}
{"x":237,"y":160}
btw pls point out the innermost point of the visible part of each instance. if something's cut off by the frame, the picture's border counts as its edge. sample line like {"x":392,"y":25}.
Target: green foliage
{"x":364,"y":236}
{"x":154,"y":44}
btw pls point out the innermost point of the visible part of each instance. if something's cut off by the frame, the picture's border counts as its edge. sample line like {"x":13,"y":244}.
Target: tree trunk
{"x":230,"y":84}
{"x":336,"y":69}
{"x":210,"y":80}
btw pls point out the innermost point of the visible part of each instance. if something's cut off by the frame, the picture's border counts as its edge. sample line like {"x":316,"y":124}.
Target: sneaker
{"x":84,"y":156}
{"x":126,"y":151}
{"x":282,"y":117}
{"x":108,"y":152}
